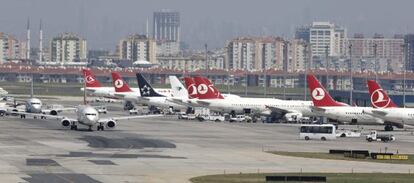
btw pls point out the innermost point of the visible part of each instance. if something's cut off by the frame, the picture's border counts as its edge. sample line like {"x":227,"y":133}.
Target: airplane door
{"x":247,"y":111}
{"x":354,"y":121}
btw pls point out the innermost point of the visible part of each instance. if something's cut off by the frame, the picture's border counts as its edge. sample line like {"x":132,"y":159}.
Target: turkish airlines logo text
{"x":379,"y":99}
{"x":89,"y":79}
{"x":202,"y":89}
{"x":118,"y":83}
{"x":318,"y":94}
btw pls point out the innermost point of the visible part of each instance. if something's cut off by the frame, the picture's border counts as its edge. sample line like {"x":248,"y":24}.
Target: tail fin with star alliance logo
{"x":145,"y":88}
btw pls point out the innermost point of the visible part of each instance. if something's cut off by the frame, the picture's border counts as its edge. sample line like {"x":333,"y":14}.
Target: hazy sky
{"x":104,"y":22}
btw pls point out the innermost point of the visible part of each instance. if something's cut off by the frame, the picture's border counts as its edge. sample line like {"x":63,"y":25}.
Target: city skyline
{"x":103,"y":23}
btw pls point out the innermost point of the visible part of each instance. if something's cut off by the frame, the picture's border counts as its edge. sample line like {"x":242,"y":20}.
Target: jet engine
{"x":65,"y":123}
{"x":111,"y":124}
{"x":293,"y":117}
{"x":53,"y":112}
{"x":128,"y":105}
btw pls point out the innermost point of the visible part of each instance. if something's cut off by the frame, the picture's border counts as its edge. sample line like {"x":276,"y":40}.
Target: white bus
{"x":317,"y":131}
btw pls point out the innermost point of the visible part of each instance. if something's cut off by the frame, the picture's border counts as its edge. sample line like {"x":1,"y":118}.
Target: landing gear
{"x":100,"y":127}
{"x":388,"y":128}
{"x":233,"y":113}
{"x":73,"y":126}
{"x":90,"y":128}
{"x":23,"y":116}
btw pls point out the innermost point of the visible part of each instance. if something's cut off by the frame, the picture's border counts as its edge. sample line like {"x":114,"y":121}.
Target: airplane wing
{"x":318,"y":109}
{"x":47,"y":111}
{"x":178,"y":101}
{"x":128,"y":117}
{"x":203,"y":102}
{"x":44,"y":116}
{"x":379,"y":112}
{"x":277,"y":110}
{"x":120,"y":95}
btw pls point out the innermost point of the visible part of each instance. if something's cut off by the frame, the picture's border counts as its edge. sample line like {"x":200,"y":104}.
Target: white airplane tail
{"x":177,"y":87}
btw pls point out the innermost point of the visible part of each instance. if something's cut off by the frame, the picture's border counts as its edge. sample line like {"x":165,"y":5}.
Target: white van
{"x":317,"y":131}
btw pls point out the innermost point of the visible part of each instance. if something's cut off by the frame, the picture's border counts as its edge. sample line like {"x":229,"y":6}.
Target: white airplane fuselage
{"x":350,"y":114}
{"x":162,"y":102}
{"x":257,"y":105}
{"x":395,"y":115}
{"x":109,"y":92}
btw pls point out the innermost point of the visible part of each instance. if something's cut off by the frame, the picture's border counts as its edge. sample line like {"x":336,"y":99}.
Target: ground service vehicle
{"x":102,"y":109}
{"x":133,"y":111}
{"x":238,"y":118}
{"x":318,"y":131}
{"x":374,"y":136}
{"x":216,"y":118}
{"x":348,"y":133}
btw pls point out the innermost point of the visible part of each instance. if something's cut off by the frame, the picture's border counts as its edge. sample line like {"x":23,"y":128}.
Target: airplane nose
{"x":92,"y":119}
{"x":36,"y":108}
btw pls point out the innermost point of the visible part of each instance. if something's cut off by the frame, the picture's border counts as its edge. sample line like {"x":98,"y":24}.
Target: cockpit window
{"x":90,"y":114}
{"x":34,"y":103}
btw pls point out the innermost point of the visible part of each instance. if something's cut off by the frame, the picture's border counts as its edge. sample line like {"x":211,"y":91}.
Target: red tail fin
{"x":205,"y":89}
{"x":379,"y":98}
{"x":119,"y":84}
{"x":191,"y":87}
{"x":320,"y":96}
{"x":90,"y":79}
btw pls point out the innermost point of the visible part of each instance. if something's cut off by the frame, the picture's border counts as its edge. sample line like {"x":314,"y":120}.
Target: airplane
{"x":33,"y":105}
{"x":325,"y":105}
{"x":88,"y":115}
{"x":122,"y":90}
{"x":192,"y":96}
{"x":3,"y":92}
{"x":205,"y":94}
{"x":152,"y":98}
{"x":94,"y":87}
{"x":386,"y":109}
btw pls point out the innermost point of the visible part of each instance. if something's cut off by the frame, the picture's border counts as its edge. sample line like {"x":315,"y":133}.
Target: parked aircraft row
{"x":200,"y":92}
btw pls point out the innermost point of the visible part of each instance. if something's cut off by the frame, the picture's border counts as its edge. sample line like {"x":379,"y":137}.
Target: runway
{"x":165,"y":149}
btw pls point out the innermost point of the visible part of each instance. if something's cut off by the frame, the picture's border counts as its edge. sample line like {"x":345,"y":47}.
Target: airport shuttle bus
{"x":317,"y":131}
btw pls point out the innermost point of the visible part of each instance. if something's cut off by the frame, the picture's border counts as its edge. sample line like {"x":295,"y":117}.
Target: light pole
{"x":405,"y":50}
{"x":265,"y":80}
{"x":375,"y":62}
{"x":285,"y":65}
{"x":247,"y":82}
{"x":327,"y":66}
{"x":207,"y":65}
{"x":306,"y":68}
{"x":351,"y":75}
